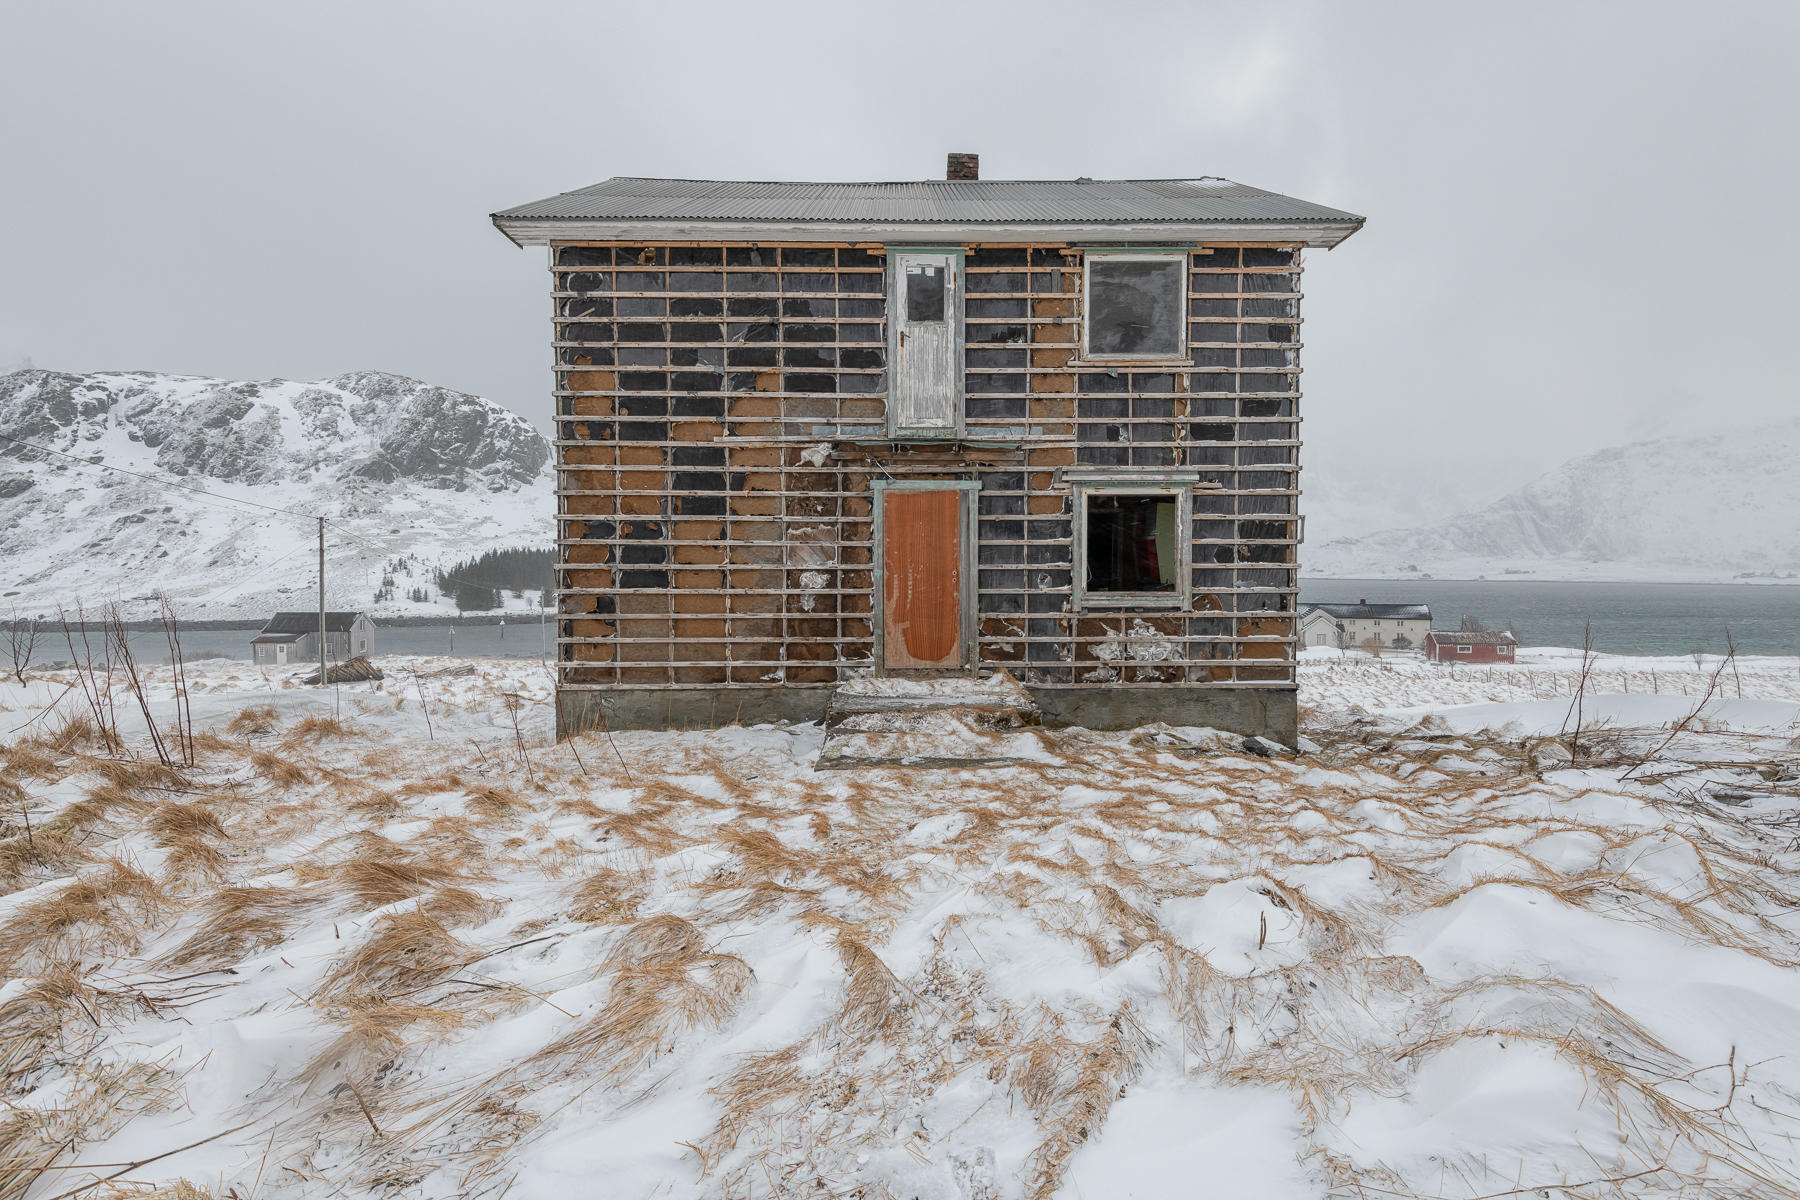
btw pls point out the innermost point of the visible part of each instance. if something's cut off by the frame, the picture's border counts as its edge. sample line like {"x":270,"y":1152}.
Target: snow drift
{"x":381,"y":940}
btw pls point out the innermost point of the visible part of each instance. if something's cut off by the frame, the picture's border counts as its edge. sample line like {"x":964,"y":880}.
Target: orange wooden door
{"x":921,"y":568}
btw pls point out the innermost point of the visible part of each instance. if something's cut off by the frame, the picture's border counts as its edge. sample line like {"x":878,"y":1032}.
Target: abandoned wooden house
{"x":292,"y":638}
{"x":810,"y":430}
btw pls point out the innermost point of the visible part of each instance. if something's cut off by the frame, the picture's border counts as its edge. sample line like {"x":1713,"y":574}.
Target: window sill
{"x":1095,"y":602}
{"x":924,"y":435}
{"x":1113,"y":364}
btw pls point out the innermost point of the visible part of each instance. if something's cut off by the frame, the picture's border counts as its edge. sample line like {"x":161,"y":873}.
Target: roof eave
{"x":545,"y":231}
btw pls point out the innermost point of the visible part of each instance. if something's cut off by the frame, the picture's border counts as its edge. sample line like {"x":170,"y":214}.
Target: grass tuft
{"x":254,"y":721}
{"x":406,"y":953}
{"x":239,"y":921}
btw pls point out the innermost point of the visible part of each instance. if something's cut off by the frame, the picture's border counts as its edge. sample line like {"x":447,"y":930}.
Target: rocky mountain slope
{"x":1718,"y":507}
{"x":411,"y":477}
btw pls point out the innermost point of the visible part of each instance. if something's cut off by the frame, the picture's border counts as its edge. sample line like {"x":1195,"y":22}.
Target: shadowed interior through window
{"x":1131,"y":544}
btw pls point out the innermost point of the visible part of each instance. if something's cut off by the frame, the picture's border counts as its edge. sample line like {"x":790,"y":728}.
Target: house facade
{"x":292,"y":638}
{"x":1351,"y":626}
{"x":1453,"y":645}
{"x":811,"y":430}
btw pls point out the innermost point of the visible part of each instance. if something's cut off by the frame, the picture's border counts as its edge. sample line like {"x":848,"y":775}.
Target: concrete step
{"x":930,"y":722}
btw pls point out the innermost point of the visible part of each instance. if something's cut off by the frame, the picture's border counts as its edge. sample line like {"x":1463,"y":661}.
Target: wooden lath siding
{"x":719,"y":414}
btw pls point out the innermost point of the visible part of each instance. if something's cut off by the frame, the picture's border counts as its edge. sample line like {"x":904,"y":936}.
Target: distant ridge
{"x":1684,"y":509}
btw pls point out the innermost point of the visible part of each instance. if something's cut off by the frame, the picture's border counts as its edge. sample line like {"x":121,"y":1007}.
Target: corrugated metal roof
{"x":1462,"y":637}
{"x":1076,"y":201}
{"x":1366,"y":611}
{"x":301,"y":623}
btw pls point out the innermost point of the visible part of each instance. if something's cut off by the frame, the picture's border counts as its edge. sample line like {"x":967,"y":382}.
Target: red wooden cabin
{"x":1455,"y":645}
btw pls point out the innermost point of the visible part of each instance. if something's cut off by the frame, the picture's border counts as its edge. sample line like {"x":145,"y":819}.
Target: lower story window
{"x":1132,"y":546}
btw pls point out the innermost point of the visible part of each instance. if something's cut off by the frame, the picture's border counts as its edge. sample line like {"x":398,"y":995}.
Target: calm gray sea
{"x":1628,"y":618}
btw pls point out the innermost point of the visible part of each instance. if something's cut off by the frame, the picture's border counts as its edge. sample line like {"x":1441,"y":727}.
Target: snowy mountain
{"x":1684,"y":509}
{"x":413,"y":477}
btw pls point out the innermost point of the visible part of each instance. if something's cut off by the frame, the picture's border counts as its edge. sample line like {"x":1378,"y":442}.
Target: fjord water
{"x":1627,"y":618}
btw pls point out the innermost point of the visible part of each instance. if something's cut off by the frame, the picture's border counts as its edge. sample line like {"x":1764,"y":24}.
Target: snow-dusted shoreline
{"x":384,"y":939}
{"x":1512,"y":570}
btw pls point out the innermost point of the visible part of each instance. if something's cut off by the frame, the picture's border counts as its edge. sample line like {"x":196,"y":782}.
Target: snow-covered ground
{"x":127,"y":485}
{"x":385,"y":940}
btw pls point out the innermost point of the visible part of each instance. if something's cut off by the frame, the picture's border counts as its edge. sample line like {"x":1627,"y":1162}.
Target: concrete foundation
{"x":580,"y":711}
{"x":1267,"y":712}
{"x":1264,"y":712}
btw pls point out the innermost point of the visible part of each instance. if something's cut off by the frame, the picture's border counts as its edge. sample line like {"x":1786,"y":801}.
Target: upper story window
{"x":1134,"y":305}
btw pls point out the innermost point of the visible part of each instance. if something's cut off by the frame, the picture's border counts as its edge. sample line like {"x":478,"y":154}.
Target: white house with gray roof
{"x":292,"y":638}
{"x":1348,"y":626}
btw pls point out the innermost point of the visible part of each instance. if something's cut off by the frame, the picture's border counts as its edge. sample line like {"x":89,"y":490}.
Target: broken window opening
{"x":1136,"y":306}
{"x":1131,"y":544}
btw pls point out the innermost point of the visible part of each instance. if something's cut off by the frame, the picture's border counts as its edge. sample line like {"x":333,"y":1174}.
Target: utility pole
{"x":321,"y":601}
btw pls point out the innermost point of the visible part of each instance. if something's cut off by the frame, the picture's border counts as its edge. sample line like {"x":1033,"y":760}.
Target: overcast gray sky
{"x":1581,"y":216}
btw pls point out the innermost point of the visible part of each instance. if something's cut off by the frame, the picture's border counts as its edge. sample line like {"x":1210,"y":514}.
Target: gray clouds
{"x":1579,"y":223}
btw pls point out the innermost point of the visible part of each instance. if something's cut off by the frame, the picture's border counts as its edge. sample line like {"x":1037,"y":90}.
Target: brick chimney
{"x":962,"y":166}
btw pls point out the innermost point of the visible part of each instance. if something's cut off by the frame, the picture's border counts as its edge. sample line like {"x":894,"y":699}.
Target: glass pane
{"x":1136,"y":306}
{"x":1131,"y":544}
{"x":924,"y":294}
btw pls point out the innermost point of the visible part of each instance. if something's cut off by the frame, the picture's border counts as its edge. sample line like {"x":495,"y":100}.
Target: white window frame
{"x":1086,"y":600}
{"x":1090,"y":257}
{"x":1465,"y":649}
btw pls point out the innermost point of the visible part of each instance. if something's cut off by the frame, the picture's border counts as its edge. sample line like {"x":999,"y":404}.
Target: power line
{"x":160,"y":482}
{"x":204,"y":600}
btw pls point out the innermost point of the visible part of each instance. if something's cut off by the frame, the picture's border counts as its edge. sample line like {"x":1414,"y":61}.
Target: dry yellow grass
{"x":607,"y":897}
{"x":100,"y":1099}
{"x":373,"y":1031}
{"x":45,"y":852}
{"x":493,"y":803}
{"x":453,"y":906}
{"x":279,"y":770}
{"x":100,"y":806}
{"x":137,"y":776}
{"x":834,"y":860}
{"x":665,"y":982}
{"x":239,"y":921}
{"x":180,"y":1189}
{"x":42,"y":1012}
{"x":254,"y":720}
{"x":97,"y":912}
{"x":316,"y":728}
{"x":404,"y":954}
{"x":25,"y":760}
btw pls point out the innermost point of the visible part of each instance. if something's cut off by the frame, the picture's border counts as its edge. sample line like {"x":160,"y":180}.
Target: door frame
{"x":896,"y":309}
{"x":967,"y":591}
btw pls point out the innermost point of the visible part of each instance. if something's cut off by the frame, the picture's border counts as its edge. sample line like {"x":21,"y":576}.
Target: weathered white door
{"x":281,"y":654}
{"x":925,"y":336}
